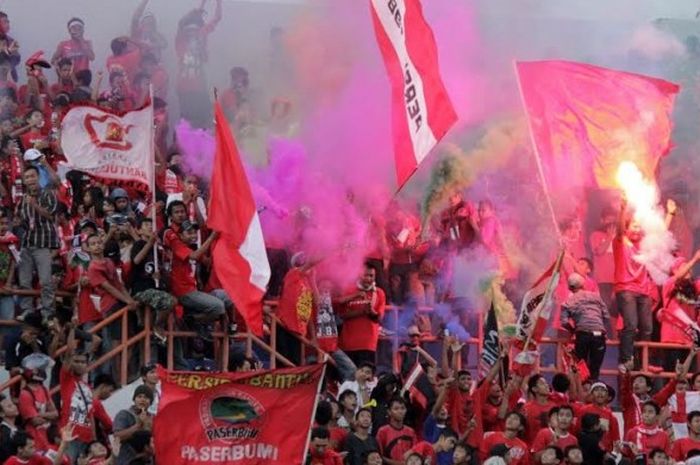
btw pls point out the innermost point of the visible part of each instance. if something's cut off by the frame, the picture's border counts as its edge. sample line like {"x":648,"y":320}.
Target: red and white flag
{"x":114,"y":147}
{"x":240,"y":259}
{"x":421,"y":109}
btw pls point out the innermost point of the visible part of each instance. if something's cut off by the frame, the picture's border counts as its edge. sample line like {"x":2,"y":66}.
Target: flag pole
{"x":538,"y":159}
{"x":153,"y":183}
{"x":318,"y":394}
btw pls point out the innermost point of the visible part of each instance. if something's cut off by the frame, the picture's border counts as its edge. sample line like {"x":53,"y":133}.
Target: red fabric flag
{"x":242,"y":418}
{"x":421,"y":109}
{"x":586,"y":120}
{"x":240,"y":259}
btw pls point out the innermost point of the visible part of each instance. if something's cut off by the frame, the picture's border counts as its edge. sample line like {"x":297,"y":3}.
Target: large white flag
{"x":113,"y":147}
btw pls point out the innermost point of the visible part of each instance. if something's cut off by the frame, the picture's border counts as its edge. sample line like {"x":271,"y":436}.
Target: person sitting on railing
{"x":202,"y":308}
{"x":26,"y":340}
{"x":36,"y":408}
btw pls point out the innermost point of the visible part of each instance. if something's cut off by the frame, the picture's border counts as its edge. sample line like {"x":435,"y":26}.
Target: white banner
{"x":116,"y":148}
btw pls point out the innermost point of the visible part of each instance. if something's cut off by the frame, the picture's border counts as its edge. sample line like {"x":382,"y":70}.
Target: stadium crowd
{"x":74,"y":250}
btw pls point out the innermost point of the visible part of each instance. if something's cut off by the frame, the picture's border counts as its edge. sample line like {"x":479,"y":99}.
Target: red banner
{"x":586,"y":120}
{"x":252,"y":418}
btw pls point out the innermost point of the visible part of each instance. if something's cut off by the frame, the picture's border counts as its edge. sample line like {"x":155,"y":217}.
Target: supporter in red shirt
{"x":648,"y":436}
{"x":295,"y":308}
{"x":515,"y":427}
{"x":557,"y":434}
{"x":362,"y":312}
{"x":77,"y":406}
{"x":144,"y":30}
{"x":395,"y":439}
{"x":66,"y":83}
{"x":125,"y":58}
{"x":681,"y":446}
{"x":35,"y":137}
{"x":536,"y":410}
{"x":37,"y":408}
{"x":26,"y":450}
{"x":319,"y":451}
{"x":77,"y":48}
{"x":635,"y":390}
{"x":203,"y":308}
{"x":600,"y":398}
{"x":634,"y":287}
{"x":158,"y":75}
{"x":108,"y":290}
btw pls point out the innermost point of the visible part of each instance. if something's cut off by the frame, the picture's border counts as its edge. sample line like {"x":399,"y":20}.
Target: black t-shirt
{"x":355,"y":447}
{"x":141,"y":274}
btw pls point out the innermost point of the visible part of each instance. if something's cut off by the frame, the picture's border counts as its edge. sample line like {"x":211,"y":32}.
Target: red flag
{"x":242,"y":418}
{"x":421,"y":109}
{"x":585,"y":120}
{"x":240,"y":260}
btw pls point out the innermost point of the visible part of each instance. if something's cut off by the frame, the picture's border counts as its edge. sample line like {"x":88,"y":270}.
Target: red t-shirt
{"x":330,"y":457}
{"x":182,"y":280}
{"x":607,"y":421}
{"x":128,"y":63}
{"x":34,"y":136}
{"x":394,"y":443}
{"x":87,"y":312}
{"x":35,"y":460}
{"x":99,"y":272}
{"x":77,"y":406}
{"x":76,"y":52}
{"x":296,"y":303}
{"x":31,"y":404}
{"x":518,"y":448}
{"x":362,"y":333}
{"x":681,"y":447}
{"x":630,"y":275}
{"x":545,"y":437}
{"x":648,"y":439}
{"x":537,"y":416}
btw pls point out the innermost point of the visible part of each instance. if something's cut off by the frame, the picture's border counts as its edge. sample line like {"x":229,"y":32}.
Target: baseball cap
{"x":576,"y":280}
{"x":187,"y":225}
{"x":32,"y":154}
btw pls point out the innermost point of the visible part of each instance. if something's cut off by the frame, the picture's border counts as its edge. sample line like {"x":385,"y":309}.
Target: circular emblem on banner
{"x":231,"y":416}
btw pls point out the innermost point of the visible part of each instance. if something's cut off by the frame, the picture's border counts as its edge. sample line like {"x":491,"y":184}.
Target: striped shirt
{"x":41,"y":232}
{"x":588,"y":311}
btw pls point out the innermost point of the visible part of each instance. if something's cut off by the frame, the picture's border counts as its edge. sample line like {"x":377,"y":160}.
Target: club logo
{"x":232,"y":416}
{"x":108,"y":132}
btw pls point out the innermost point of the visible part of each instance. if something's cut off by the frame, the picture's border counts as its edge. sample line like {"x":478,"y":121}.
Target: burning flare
{"x":657,"y":245}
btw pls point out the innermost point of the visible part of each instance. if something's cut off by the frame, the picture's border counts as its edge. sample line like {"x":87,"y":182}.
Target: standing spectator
{"x":604,"y":419}
{"x":361,"y":312}
{"x":37,"y":408}
{"x":634,"y":287}
{"x":77,"y":406}
{"x":149,"y":376}
{"x":536,"y":410}
{"x":125,"y":58}
{"x":604,"y":262}
{"x":144,"y":30}
{"x":37,"y":214}
{"x":590,"y":319}
{"x":458,"y":223}
{"x":9,"y":254}
{"x":395,"y":439}
{"x":327,"y":336}
{"x":682,"y":446}
{"x":636,"y":389}
{"x":191,"y":48}
{"x":77,"y":48}
{"x":556,"y":434}
{"x":518,"y":450}
{"x":648,"y":435}
{"x":364,"y":375}
{"x":12,"y":47}
{"x":26,"y":450}
{"x":128,"y":422}
{"x":295,"y":307}
{"x":65,"y":82}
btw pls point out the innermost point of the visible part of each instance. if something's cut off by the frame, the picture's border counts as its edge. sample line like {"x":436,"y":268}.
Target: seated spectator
{"x":573,"y":455}
{"x":27,"y":454}
{"x":9,"y":427}
{"x":149,"y":376}
{"x":26,"y":340}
